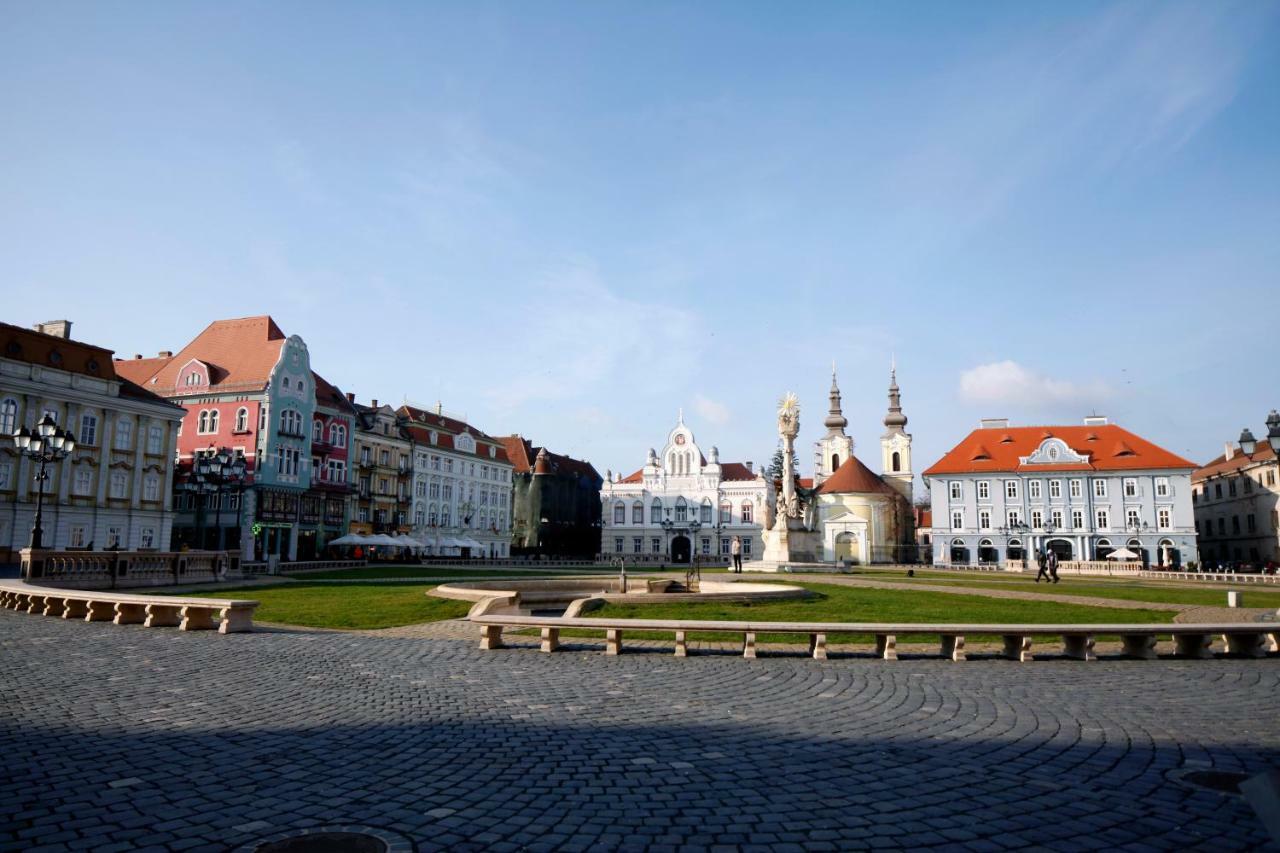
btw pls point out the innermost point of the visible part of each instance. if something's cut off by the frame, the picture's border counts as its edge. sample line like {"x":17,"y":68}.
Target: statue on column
{"x":793,"y":539}
{"x":788,"y":429}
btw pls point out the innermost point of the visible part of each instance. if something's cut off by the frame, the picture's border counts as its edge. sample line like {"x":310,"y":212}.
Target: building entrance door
{"x":680,"y":549}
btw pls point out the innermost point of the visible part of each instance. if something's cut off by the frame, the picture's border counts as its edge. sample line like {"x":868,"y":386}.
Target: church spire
{"x":835,"y":421}
{"x":895,"y":420}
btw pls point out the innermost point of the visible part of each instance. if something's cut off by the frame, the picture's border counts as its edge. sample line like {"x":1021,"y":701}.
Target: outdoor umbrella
{"x":350,"y":539}
{"x":1122,"y":554}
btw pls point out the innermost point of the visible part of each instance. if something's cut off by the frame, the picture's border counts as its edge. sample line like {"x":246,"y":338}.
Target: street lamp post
{"x":214,"y":472}
{"x":44,"y":444}
{"x":1138,"y":528}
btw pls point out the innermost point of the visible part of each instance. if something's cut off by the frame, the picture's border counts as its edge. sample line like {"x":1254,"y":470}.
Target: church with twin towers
{"x":685,"y":502}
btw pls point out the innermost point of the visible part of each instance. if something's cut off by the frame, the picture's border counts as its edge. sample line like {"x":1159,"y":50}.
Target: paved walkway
{"x":125,"y":738}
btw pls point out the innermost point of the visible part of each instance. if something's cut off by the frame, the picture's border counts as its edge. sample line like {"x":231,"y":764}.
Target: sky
{"x":573,"y":220}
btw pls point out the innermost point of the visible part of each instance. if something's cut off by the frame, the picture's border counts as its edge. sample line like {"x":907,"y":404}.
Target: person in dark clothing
{"x":1051,"y":562}
{"x":1042,"y":563}
{"x":735,"y":548}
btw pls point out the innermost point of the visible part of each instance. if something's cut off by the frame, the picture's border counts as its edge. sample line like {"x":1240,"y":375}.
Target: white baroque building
{"x":684,"y":503}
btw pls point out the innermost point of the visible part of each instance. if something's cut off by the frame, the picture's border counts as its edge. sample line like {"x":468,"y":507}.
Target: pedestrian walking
{"x":1043,"y":572}
{"x":1052,"y":562}
{"x":735,"y":548}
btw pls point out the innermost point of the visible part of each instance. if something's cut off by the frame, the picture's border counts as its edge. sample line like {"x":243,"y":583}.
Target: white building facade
{"x":461,"y":486}
{"x":684,"y":503}
{"x":1007,"y":493}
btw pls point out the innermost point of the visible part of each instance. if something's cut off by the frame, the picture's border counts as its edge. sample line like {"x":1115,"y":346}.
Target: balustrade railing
{"x":125,"y":569}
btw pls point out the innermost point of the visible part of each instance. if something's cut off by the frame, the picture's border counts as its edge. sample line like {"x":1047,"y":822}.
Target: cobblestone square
{"x":124,"y":738}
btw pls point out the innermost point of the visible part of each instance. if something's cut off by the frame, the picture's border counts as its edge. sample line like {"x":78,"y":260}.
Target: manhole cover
{"x":1222,"y":781}
{"x":325,"y":842}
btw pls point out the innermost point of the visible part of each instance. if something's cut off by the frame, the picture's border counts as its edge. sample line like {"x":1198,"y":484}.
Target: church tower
{"x":895,"y":444}
{"x":835,"y":447}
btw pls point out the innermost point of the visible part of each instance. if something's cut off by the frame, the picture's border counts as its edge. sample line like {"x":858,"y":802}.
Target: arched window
{"x":419,"y":514}
{"x":213,"y":420}
{"x":619,"y":513}
{"x":444,"y":516}
{"x":835,"y":461}
{"x":682,"y":510}
{"x":897,"y":461}
{"x":726,"y":513}
{"x":637,"y":513}
{"x":706,"y":511}
{"x":747,"y":511}
{"x":8,"y":416}
{"x":655,"y":512}
{"x":286,"y":383}
{"x":431,"y":515}
{"x":242,"y":419}
{"x":203,"y":426}
{"x":317,"y":431}
{"x":337,"y":435}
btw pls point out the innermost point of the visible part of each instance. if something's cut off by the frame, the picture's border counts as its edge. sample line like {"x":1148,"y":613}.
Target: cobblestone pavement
{"x":125,"y":738}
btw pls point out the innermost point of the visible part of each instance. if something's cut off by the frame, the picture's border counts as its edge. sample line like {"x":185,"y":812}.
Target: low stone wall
{"x":94,"y":570}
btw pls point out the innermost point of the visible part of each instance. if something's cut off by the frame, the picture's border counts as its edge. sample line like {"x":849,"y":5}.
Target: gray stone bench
{"x":228,"y":616}
{"x":1253,"y":639}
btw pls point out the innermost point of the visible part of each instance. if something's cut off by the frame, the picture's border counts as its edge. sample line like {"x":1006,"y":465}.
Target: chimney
{"x":750,"y":466}
{"x":137,"y":355}
{"x":57,"y":328}
{"x":165,"y":353}
{"x":374,"y":403}
{"x":994,"y":423}
{"x":1230,"y":452}
{"x":1095,"y":420}
{"x":351,"y":396}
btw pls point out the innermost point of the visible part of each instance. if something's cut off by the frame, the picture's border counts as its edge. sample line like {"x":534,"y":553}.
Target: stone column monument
{"x":790,"y":540}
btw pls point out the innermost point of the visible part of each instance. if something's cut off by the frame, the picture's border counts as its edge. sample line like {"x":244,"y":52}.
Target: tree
{"x":775,"y":466}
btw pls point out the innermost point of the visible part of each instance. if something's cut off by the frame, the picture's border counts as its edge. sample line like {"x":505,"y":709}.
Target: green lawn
{"x":865,"y":604}
{"x":1121,"y":588}
{"x":353,"y":606}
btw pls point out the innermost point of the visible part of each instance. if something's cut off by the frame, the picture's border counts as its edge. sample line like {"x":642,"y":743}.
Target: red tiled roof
{"x":32,"y":347}
{"x":329,"y":395}
{"x":240,"y":353}
{"x":1109,"y":448}
{"x":523,"y":453}
{"x":1222,"y":465}
{"x":852,"y":477}
{"x":735,"y":471}
{"x":637,"y":477}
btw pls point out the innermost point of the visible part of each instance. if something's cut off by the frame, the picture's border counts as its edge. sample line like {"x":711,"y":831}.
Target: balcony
{"x":320,"y":446}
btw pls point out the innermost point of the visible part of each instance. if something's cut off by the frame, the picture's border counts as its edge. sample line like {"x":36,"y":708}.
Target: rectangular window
{"x":363,"y":514}
{"x":1077,"y":519}
{"x":1011,"y":489}
{"x":6,"y":475}
{"x":619,"y":514}
{"x":88,"y":430}
{"x":746,"y":547}
{"x":637,"y":514}
{"x":984,"y":519}
{"x":724,"y":546}
{"x":637,"y":544}
{"x":124,"y":434}
{"x":617,"y":544}
{"x":147,"y":539}
{"x":1162,"y":487}
{"x":1033,"y":490}
{"x":706,"y":546}
{"x":655,"y":545}
{"x":1099,"y":488}
{"x":1235,"y":524}
{"x":1131,"y":518}
{"x":76,"y":537}
{"x":82,"y":482}
{"x":957,"y":520}
{"x":1015,"y":518}
{"x":1164,"y":519}
{"x":1077,"y":488}
{"x":1037,"y":519}
{"x":113,"y":537}
{"x":384,"y":457}
{"x":151,"y":488}
{"x":154,"y":437}
{"x":726,"y":514}
{"x":955,"y":490}
{"x":119,"y":484}
{"x":1130,"y":487}
{"x":1055,"y":488}
{"x":984,"y":490}
{"x":1103,"y":519}
{"x":1056,"y":518}
{"x":1222,"y":527}
{"x":705,"y":513}
{"x":746,"y":513}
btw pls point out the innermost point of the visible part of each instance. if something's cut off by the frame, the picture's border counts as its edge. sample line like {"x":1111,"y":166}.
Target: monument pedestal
{"x":791,"y":544}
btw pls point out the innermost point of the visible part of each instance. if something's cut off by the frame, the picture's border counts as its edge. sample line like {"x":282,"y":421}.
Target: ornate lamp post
{"x":44,"y":444}
{"x":215,"y":472}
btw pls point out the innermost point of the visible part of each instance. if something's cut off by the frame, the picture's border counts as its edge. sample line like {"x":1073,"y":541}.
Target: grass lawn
{"x":353,"y":606}
{"x":865,"y":604}
{"x":1122,"y":589}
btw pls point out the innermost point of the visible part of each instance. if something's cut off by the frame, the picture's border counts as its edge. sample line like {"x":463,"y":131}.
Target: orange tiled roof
{"x":1109,"y":448}
{"x":1222,"y":465}
{"x":240,"y":353}
{"x":729,"y":471}
{"x":523,"y":453}
{"x":852,"y":477}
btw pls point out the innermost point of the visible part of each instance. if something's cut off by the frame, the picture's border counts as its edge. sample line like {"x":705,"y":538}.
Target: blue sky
{"x":570,"y":220}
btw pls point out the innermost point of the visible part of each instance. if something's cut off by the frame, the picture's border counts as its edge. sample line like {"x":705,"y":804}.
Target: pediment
{"x":1054,"y":451}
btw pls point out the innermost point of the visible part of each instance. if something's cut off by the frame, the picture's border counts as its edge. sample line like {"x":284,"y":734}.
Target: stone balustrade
{"x":1251,"y":639}
{"x":228,"y":616}
{"x":126,"y":569}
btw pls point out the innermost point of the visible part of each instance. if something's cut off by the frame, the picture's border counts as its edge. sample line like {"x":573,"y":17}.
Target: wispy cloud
{"x":1010,"y":383}
{"x":715,"y":412}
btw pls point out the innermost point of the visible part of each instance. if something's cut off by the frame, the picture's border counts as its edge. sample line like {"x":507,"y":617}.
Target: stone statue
{"x":788,"y":429}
